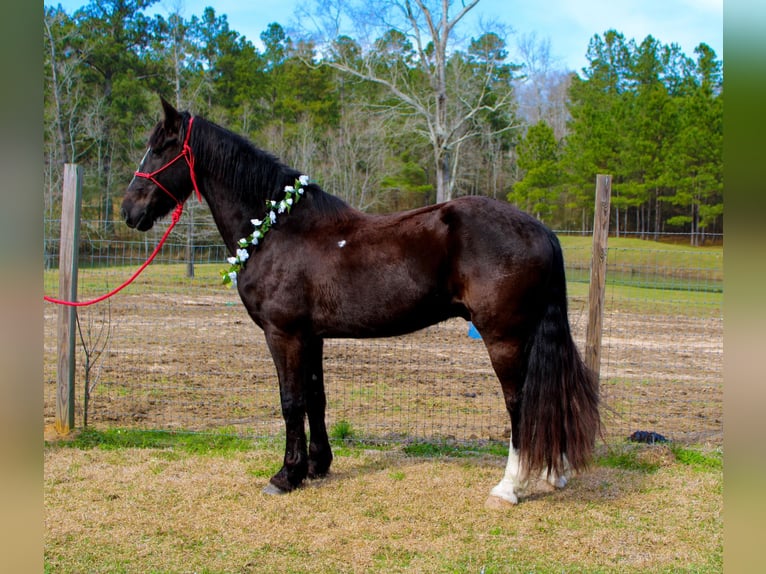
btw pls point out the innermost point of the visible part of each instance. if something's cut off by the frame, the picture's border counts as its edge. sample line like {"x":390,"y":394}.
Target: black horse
{"x":328,"y":270}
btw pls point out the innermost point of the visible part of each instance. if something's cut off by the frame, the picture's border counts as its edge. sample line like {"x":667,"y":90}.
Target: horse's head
{"x":162,"y":180}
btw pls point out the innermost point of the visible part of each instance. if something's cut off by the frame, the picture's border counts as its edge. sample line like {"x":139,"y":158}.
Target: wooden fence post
{"x":68,"y":249}
{"x":598,"y":273}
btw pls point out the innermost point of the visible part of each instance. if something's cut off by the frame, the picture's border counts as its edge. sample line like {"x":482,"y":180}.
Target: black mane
{"x":253,"y":174}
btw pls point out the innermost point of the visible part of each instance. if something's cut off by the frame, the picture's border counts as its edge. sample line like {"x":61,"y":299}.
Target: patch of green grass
{"x":342,"y":430}
{"x":265,"y":470}
{"x":627,"y":459}
{"x":642,"y":253}
{"x":696,"y":459}
{"x":96,"y":280}
{"x":455,"y":450}
{"x":359,"y":447}
{"x":651,"y":301}
{"x":649,"y":458}
{"x":397,"y":475}
{"x":651,"y":277}
{"x":192,"y":443}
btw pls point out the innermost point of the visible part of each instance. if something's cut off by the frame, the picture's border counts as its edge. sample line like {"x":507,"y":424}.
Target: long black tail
{"x":560,"y":398}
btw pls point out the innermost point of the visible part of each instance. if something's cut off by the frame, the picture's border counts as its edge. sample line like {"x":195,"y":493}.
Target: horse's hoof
{"x":271,"y":489}
{"x":497,"y":503}
{"x":316,"y":471}
{"x":558,"y":481}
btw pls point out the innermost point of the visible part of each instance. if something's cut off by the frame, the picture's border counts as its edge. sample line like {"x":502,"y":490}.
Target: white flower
{"x":292,"y":196}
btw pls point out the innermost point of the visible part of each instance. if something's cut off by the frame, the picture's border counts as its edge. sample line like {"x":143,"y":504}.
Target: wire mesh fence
{"x":175,"y":351}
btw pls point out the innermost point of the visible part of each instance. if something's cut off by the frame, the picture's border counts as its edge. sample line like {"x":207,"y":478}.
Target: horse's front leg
{"x":320,"y":453}
{"x":288,"y":352}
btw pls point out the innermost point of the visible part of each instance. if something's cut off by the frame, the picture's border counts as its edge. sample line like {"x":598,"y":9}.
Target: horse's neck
{"x":231,"y":213}
{"x":231,"y":217}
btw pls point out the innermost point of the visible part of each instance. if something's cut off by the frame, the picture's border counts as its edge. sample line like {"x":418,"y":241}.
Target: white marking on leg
{"x":506,"y":488}
{"x":555,"y":480}
{"x":342,"y":243}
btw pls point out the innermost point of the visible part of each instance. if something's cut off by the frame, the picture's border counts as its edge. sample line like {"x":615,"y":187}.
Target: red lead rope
{"x":176,"y":216}
{"x":186,"y":153}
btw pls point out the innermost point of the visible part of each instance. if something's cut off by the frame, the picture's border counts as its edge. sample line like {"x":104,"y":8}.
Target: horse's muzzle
{"x":137,"y":219}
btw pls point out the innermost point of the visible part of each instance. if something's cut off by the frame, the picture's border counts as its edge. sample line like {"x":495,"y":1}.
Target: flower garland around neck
{"x":293,"y":194}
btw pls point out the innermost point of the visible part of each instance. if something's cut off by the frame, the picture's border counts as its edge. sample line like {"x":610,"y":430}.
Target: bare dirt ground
{"x":197,"y":362}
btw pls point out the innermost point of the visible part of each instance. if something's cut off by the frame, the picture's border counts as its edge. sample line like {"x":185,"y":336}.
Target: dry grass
{"x":171,"y":510}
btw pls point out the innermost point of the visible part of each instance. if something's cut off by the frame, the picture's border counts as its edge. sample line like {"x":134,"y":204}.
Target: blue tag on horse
{"x":472,"y":332}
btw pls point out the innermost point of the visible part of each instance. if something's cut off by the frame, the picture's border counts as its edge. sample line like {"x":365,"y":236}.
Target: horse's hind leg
{"x":320,"y":453}
{"x":508,"y":362}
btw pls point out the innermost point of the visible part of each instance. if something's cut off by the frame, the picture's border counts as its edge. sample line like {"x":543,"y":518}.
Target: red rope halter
{"x":186,"y":153}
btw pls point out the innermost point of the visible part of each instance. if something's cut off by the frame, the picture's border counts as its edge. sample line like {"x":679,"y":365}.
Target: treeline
{"x":390,"y":124}
{"x":651,"y":117}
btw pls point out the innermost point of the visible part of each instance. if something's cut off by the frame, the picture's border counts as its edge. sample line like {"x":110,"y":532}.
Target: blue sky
{"x":568,"y":24}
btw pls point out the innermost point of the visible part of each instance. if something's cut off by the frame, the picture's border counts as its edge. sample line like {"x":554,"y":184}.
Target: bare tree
{"x":94,"y":340}
{"x":64,"y":102}
{"x":55,"y":89}
{"x":357,"y":156}
{"x":406,"y":47}
{"x":542,"y":88}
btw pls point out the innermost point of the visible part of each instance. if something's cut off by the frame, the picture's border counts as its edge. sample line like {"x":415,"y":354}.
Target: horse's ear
{"x":172,"y":117}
